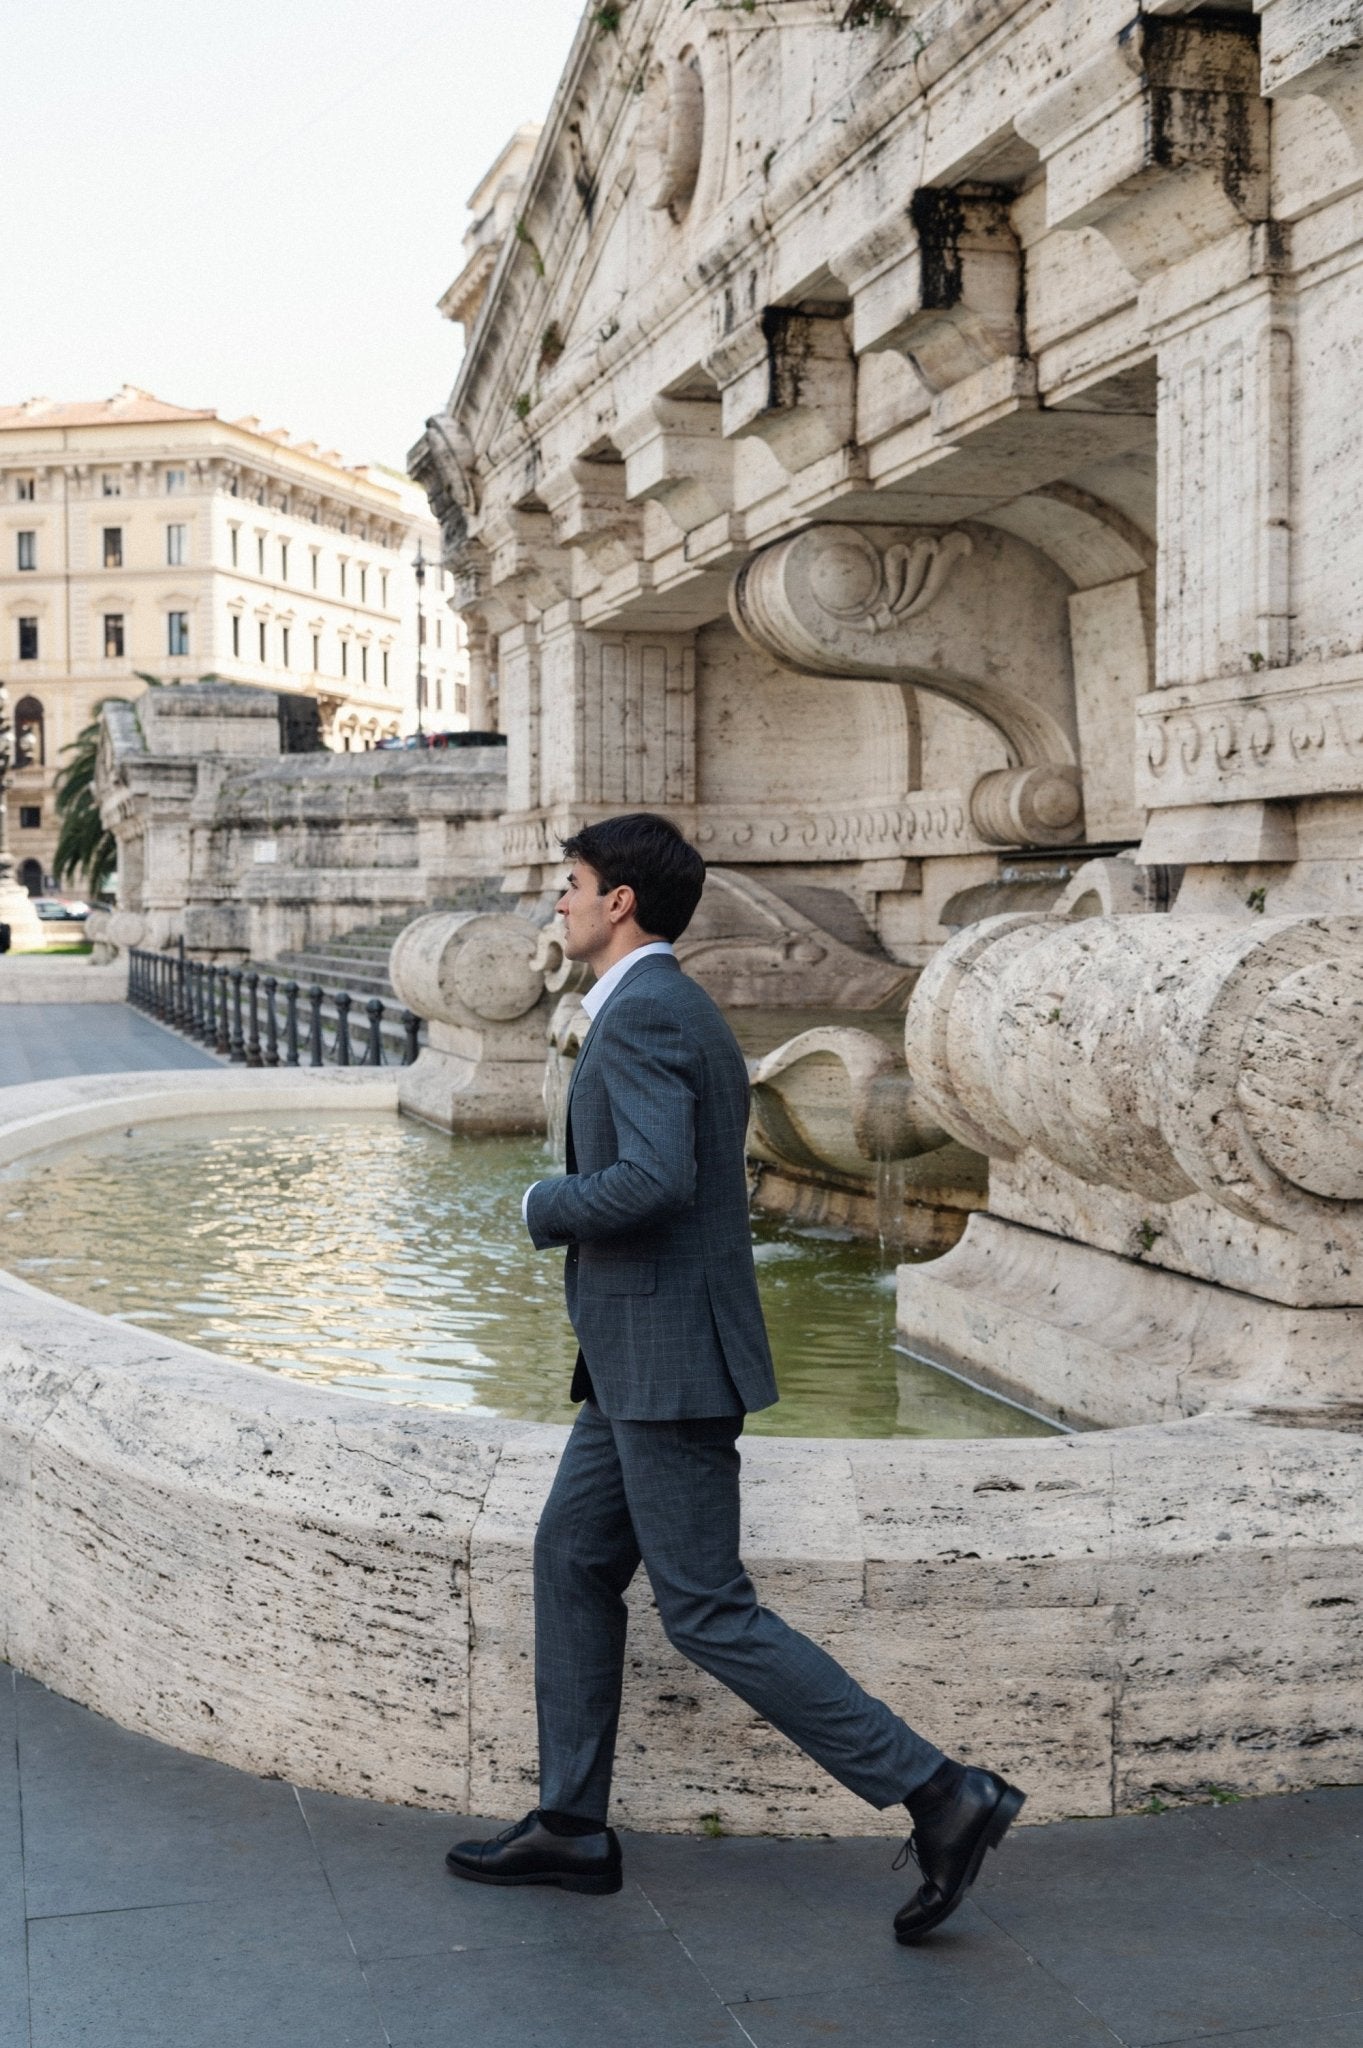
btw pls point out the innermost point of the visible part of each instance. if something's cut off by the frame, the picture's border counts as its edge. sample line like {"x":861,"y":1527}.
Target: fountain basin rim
{"x":337,"y":1592}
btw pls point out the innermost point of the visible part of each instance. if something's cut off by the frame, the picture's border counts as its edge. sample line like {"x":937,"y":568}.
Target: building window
{"x":421,"y":629}
{"x":113,"y":547}
{"x":385,"y":668}
{"x":364,"y":579}
{"x":284,"y":643}
{"x":383,"y":588}
{"x":28,"y":549}
{"x":345,"y":657}
{"x":316,"y":653}
{"x":30,"y":748}
{"x":236,"y":633}
{"x":176,"y":549}
{"x":113,"y":636}
{"x":175,"y":481}
{"x":364,"y":663}
{"x":28,"y":639}
{"x":343,"y":576}
{"x":111,"y":484}
{"x":23,"y":489}
{"x":283,"y":561}
{"x":260,"y":554}
{"x":461,"y":699}
{"x":440,"y":632}
{"x":30,"y":817}
{"x":234,"y":531}
{"x":260,"y":633}
{"x":439,"y":693}
{"x":177,"y":632}
{"x":314,"y":568}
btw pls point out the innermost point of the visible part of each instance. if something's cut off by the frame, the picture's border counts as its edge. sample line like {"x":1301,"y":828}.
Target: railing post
{"x":252,"y":1019}
{"x":208,"y":1006}
{"x":132,"y":976}
{"x":342,"y":1027}
{"x":179,"y":992}
{"x":271,"y":1028}
{"x":291,"y":1023}
{"x":223,"y":1042}
{"x":238,"y":1045}
{"x":315,"y":1026}
{"x":373,"y":1051}
{"x":411,"y":1025}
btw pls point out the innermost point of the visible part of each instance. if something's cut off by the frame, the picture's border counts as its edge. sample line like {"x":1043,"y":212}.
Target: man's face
{"x":587,"y":920}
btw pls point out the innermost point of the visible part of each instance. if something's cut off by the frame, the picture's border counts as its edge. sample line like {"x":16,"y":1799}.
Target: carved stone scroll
{"x":971,"y":615}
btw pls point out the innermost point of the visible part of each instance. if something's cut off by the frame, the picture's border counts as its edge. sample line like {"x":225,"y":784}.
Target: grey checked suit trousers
{"x":663,"y":1296}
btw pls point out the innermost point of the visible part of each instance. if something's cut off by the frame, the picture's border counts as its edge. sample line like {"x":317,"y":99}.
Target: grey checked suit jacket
{"x":653,"y":1210}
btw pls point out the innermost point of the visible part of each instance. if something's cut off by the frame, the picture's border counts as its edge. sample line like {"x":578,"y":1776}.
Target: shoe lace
{"x":910,"y":1849}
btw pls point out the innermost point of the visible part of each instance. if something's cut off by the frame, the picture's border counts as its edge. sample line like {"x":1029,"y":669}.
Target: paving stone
{"x":764,"y":1919}
{"x":42,"y":1041}
{"x":630,"y":1991}
{"x":113,"y":1819}
{"x":1313,"y":1841}
{"x":386,"y":1866}
{"x":1166,"y":1934}
{"x":266,"y":1972}
{"x":13,"y":1957}
{"x":980,"y":1993}
{"x":1344,"y":2030}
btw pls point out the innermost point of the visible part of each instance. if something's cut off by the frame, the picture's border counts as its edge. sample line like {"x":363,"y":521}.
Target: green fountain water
{"x":375,"y":1255}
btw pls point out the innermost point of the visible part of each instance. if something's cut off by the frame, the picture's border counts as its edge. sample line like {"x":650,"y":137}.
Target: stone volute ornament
{"x":477,"y":979}
{"x":671,"y":133}
{"x":973,"y":615}
{"x":1206,"y":1061}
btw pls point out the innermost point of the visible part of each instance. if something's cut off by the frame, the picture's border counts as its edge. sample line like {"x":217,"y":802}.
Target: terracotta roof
{"x":127,"y":404}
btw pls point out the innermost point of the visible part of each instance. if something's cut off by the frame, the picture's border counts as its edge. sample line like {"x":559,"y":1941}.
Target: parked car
{"x":58,"y":910}
{"x":405,"y":741}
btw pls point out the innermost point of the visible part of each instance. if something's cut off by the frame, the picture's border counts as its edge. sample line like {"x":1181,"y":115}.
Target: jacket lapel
{"x":653,"y":960}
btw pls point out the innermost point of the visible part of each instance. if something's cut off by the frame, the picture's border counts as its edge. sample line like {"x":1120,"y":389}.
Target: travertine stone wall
{"x":248,"y":843}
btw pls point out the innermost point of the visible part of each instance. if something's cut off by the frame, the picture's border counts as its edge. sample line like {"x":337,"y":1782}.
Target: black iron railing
{"x":259,"y":1021}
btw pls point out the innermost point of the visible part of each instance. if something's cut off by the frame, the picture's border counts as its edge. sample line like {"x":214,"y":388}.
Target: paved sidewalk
{"x":44,"y":1041}
{"x":151,"y":1900}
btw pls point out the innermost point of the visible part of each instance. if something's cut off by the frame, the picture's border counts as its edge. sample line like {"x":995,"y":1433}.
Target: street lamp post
{"x":16,"y":905}
{"x":420,"y":566}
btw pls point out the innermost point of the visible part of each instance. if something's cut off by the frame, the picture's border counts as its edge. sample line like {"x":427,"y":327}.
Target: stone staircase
{"x":357,"y":961}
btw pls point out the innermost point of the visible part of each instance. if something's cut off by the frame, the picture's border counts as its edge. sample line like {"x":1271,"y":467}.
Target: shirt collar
{"x":601,"y":991}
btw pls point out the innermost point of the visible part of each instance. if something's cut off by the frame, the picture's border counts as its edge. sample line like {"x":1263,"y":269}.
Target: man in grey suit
{"x":662,"y":1293}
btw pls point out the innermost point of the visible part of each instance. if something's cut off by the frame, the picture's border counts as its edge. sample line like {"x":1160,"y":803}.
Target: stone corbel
{"x":442,"y":462}
{"x":525,"y":567}
{"x":589,"y":510}
{"x":910,"y":605}
{"x":675,"y":453}
{"x":1160,"y":142}
{"x":1306,"y":49}
{"x":789,"y":378}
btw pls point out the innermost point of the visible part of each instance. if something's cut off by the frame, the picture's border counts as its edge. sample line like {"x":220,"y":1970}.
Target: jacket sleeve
{"x":652,"y":1081}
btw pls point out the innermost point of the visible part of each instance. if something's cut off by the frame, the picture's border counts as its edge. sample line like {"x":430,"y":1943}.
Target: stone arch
{"x":30,"y":733}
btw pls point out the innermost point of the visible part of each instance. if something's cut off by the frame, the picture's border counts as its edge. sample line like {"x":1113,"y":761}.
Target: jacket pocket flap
{"x":618,"y":1276}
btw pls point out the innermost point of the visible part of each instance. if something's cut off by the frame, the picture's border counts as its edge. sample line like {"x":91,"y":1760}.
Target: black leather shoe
{"x":950,"y":1851}
{"x":526,"y":1853}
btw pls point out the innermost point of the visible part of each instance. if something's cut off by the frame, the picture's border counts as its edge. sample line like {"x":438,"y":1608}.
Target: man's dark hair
{"x":646,"y":853}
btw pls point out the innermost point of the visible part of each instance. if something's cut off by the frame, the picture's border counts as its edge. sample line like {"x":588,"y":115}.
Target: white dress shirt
{"x":594,"y":1002}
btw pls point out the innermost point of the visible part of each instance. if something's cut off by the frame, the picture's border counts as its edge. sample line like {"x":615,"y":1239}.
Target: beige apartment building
{"x":141,"y":537}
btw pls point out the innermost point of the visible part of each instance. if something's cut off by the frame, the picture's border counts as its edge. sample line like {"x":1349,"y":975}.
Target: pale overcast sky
{"x":254,"y":204}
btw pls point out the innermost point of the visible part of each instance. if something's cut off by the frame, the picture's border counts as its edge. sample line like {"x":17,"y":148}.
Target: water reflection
{"x":386,"y":1259}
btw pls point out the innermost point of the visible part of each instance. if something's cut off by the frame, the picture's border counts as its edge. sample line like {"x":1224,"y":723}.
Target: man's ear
{"x":622,"y":903}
